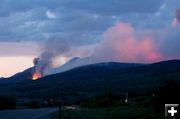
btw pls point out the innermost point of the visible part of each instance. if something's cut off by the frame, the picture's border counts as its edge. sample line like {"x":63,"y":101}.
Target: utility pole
{"x":59,"y":105}
{"x":59,"y":114}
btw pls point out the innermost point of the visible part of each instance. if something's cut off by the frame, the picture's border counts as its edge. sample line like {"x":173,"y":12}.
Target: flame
{"x":36,"y":76}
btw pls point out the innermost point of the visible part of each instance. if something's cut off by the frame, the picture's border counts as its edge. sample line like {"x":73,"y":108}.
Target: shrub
{"x":7,"y":102}
{"x":33,"y":104}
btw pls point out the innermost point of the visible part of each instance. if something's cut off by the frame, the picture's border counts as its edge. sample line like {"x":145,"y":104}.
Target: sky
{"x":111,"y":30}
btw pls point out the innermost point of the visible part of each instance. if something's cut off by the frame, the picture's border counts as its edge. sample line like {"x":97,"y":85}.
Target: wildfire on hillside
{"x":39,"y":68}
{"x":36,"y":76}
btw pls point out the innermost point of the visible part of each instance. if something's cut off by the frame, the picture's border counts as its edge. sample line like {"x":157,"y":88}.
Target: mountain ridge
{"x":98,"y":78}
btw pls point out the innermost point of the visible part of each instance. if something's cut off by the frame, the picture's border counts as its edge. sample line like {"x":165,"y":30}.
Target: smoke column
{"x":176,"y":20}
{"x":52,"y":48}
{"x":122,"y":43}
{"x":178,"y":15}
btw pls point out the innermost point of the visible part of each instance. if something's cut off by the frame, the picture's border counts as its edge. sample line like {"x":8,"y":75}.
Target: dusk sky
{"x":112,"y":30}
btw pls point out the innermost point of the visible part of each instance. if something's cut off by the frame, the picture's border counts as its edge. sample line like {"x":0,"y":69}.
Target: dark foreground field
{"x":123,"y":112}
{"x":42,"y":113}
{"x":130,"y":111}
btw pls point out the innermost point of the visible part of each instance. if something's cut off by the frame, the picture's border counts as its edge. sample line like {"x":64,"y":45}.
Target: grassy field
{"x":130,"y":111}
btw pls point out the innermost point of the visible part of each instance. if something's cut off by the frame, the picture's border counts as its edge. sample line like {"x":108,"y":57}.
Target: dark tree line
{"x":7,"y":102}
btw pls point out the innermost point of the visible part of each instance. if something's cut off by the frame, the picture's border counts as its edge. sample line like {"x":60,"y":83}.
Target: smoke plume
{"x":122,"y":43}
{"x":176,"y":20}
{"x":50,"y":50}
{"x":178,"y":15}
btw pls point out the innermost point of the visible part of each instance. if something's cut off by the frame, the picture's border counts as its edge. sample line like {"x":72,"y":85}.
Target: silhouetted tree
{"x":7,"y":102}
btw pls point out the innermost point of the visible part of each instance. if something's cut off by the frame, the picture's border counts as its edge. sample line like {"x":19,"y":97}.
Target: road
{"x":27,"y":113}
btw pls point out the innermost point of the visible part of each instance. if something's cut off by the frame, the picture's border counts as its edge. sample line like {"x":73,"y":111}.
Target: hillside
{"x":117,"y":77}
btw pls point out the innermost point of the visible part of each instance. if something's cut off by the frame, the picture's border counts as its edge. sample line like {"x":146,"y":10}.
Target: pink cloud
{"x":122,"y":43}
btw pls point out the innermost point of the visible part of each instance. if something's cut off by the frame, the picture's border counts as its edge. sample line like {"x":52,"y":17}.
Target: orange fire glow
{"x":36,"y":76}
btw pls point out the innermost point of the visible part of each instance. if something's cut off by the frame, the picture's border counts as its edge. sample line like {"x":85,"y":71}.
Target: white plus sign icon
{"x":172,"y":111}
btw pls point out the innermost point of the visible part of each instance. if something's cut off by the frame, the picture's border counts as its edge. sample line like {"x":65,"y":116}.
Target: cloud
{"x":9,"y":7}
{"x":10,"y":49}
{"x":114,"y":7}
{"x":32,"y":20}
{"x":170,"y":42}
{"x":51,"y":15}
